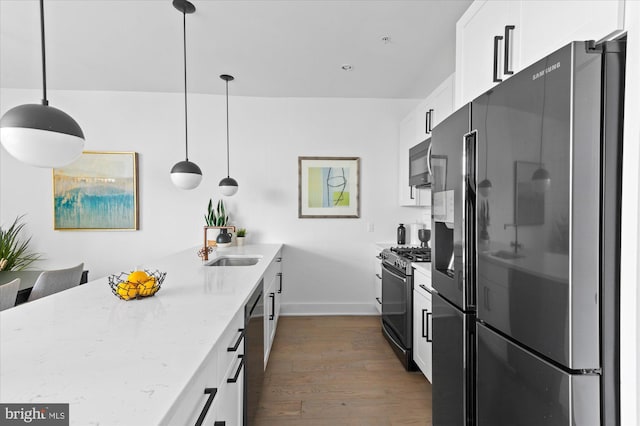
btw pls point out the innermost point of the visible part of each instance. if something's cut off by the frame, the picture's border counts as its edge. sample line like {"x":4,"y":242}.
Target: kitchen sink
{"x":228,"y":260}
{"x":504,"y":254}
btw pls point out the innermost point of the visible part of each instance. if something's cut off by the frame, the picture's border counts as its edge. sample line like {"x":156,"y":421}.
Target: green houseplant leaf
{"x":15,"y":254}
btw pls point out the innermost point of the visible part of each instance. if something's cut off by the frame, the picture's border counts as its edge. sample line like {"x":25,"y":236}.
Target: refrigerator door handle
{"x":469,"y":159}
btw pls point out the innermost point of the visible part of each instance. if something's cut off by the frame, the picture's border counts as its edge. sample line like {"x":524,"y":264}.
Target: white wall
{"x":327,"y":262}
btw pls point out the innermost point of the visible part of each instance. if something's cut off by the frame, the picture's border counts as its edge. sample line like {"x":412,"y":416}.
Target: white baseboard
{"x":318,"y":309}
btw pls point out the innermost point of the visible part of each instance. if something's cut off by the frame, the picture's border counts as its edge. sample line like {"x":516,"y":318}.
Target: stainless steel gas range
{"x":397,"y":298}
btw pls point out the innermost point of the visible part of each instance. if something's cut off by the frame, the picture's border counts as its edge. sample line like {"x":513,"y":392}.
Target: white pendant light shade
{"x":41,"y":135}
{"x":228,"y":186}
{"x":186,"y":175}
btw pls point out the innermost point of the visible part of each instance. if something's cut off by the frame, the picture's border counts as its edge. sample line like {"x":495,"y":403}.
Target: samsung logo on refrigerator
{"x":546,"y":70}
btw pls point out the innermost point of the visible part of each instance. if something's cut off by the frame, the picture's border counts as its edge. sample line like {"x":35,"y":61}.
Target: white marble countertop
{"x":123,"y":362}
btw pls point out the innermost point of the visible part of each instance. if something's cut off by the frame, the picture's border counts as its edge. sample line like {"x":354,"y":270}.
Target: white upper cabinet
{"x":545,"y":27}
{"x":415,"y":128}
{"x":434,"y":109}
{"x":480,"y":46}
{"x":495,"y":39}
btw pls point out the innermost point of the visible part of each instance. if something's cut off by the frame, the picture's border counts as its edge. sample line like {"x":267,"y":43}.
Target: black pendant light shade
{"x":541,"y":180}
{"x":228,"y":186}
{"x":38,"y":134}
{"x":185,"y":174}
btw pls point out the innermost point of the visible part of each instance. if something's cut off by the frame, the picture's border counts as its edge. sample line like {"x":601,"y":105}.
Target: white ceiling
{"x":274,"y":48}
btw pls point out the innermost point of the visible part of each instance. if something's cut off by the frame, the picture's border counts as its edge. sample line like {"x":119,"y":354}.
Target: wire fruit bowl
{"x":136,"y":284}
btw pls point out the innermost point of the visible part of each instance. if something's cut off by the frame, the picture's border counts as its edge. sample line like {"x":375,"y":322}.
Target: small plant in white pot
{"x":240,"y":236}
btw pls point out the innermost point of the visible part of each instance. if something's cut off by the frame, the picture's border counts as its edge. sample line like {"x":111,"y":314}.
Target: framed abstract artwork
{"x":98,"y":191}
{"x":328,"y":187}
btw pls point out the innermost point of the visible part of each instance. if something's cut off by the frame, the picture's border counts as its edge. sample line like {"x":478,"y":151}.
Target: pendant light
{"x":541,"y":179}
{"x":228,"y":186}
{"x":484,"y":187}
{"x":185,"y":174}
{"x":38,"y":134}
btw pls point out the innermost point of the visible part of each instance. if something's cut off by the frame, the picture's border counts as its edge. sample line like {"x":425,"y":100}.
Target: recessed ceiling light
{"x":385,"y":39}
{"x":347,"y":67}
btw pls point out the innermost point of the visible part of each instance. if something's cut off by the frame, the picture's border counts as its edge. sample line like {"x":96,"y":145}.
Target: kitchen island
{"x":122,"y":362}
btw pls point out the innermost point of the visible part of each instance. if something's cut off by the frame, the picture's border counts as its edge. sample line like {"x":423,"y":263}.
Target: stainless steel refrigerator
{"x":526,"y":212}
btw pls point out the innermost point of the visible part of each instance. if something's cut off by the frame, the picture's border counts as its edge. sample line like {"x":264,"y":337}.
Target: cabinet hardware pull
{"x":278,"y":259}
{"x":212,"y":394}
{"x":279,"y":274}
{"x":429,"y":161}
{"x":273,"y":306}
{"x":429,"y":338}
{"x":234,"y":379}
{"x":496,"y":41}
{"x":507,"y":47}
{"x":379,"y":301}
{"x":237,"y":344}
{"x":430,"y":123}
{"x":411,"y":192}
{"x":218,"y":423}
{"x":424,"y":331}
{"x":379,"y":276}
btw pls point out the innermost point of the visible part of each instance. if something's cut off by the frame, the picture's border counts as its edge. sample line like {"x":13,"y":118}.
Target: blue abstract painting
{"x":97,"y":191}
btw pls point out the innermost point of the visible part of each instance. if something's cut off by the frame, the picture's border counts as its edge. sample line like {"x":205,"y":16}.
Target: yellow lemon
{"x":138,"y":277}
{"x":127,"y":290}
{"x":148,"y":287}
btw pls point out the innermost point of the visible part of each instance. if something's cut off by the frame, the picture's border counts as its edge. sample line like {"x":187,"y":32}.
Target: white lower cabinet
{"x":422,"y":327}
{"x":273,"y":291}
{"x":377,"y":279}
{"x":214,"y":396}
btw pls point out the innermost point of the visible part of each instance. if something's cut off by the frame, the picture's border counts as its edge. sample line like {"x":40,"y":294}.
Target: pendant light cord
{"x":45,"y":102}
{"x":227,"y":81}
{"x":184,"y":39}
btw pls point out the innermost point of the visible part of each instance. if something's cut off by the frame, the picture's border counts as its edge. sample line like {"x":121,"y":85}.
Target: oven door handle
{"x":389,"y":271}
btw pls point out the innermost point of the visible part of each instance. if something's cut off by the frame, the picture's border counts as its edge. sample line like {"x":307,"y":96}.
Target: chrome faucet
{"x":515,"y":243}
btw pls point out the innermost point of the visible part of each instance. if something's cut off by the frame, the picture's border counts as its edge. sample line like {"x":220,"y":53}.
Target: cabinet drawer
{"x":421,"y":277}
{"x":230,"y":345}
{"x":193,"y":399}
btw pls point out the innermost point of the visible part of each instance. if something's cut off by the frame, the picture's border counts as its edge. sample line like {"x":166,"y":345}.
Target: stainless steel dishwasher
{"x":253,"y":353}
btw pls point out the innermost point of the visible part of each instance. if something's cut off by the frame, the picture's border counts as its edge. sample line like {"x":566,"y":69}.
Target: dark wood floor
{"x":339,"y":371}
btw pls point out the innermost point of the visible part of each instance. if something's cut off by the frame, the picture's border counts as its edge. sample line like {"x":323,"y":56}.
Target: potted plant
{"x":240,"y":236}
{"x":219,"y":218}
{"x":15,"y":254}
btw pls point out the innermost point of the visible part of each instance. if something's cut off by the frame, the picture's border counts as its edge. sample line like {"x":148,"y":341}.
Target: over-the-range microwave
{"x":420,"y":164}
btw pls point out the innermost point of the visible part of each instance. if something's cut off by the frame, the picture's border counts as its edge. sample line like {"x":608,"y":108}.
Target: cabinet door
{"x":475,"y":33}
{"x":547,"y":27}
{"x":422,"y":332}
{"x":269,"y":323}
{"x":435,"y":108}
{"x":406,"y":139}
{"x":377,"y":281}
{"x":228,"y":407}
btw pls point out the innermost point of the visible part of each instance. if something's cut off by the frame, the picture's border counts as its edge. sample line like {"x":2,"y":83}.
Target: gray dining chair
{"x":50,"y":282}
{"x":8,"y":294}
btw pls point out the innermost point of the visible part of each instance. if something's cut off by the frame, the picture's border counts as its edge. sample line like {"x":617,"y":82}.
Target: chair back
{"x":8,"y":294}
{"x":50,"y":282}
